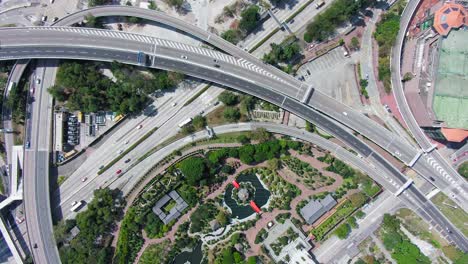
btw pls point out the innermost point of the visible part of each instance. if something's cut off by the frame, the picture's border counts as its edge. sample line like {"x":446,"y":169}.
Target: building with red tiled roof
{"x":454,"y":134}
{"x":449,"y":16}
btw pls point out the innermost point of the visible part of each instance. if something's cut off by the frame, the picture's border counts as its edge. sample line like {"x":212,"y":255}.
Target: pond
{"x":261,"y":196}
{"x":193,"y":257}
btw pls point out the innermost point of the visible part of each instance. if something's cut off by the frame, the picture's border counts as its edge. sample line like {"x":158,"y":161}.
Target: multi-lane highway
{"x":233,"y":76}
{"x":238,"y":77}
{"x":36,"y":162}
{"x":81,"y":43}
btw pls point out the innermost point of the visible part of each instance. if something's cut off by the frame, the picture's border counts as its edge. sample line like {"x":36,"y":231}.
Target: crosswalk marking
{"x":167,"y":43}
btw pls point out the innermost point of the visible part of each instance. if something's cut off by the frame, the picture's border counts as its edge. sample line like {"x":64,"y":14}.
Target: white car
{"x":38,"y":81}
{"x":120,"y":151}
{"x":126,"y":142}
{"x":344,"y":113}
{"x":84,"y":179}
{"x":174,"y":104}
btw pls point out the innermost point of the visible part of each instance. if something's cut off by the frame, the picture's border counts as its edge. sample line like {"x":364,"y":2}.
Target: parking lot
{"x":333,"y":74}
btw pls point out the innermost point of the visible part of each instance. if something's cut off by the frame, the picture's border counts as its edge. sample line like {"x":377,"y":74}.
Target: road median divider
{"x":204,"y":89}
{"x":126,"y":151}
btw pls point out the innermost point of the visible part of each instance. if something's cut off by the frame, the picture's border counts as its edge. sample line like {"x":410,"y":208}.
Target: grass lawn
{"x":61,"y":179}
{"x":463,"y":169}
{"x":168,"y":207}
{"x":216,"y":117}
{"x":456,"y":215}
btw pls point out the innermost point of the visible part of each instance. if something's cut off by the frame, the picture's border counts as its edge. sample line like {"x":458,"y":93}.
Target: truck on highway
{"x":142,"y":58}
{"x":185,"y":122}
{"x":76,"y":205}
{"x":319,"y":4}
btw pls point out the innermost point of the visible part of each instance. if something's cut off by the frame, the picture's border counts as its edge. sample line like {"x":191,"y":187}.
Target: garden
{"x":341,"y":212}
{"x":309,"y":176}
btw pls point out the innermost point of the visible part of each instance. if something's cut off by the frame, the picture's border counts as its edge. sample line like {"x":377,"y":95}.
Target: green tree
{"x":199,"y":121}
{"x":261,"y":134}
{"x":152,"y":5}
{"x":92,"y":3}
{"x":231,"y":114}
{"x":93,"y":22}
{"x":249,"y":18}
{"x":246,"y":154}
{"x":407,"y":77}
{"x":343,"y":231}
{"x":228,"y":98}
{"x":354,"y":43}
{"x":274,"y":164}
{"x":194,"y":169}
{"x":231,"y":35}
{"x":175,"y":3}
{"x":243,"y":139}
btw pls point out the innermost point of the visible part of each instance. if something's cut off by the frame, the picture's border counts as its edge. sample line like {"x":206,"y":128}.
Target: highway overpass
{"x":352,"y":119}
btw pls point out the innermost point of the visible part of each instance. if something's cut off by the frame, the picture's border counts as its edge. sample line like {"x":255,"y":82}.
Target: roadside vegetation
{"x":385,"y":34}
{"x":95,"y":225}
{"x":82,"y":86}
{"x":325,"y":23}
{"x":249,"y":19}
{"x":283,"y":53}
{"x":463,"y":169}
{"x":401,"y":248}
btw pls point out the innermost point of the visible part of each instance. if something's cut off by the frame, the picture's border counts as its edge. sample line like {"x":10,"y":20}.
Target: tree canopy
{"x":85,"y":88}
{"x":249,"y":18}
{"x":194,"y":169}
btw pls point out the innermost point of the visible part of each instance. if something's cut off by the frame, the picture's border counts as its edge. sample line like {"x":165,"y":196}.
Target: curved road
{"x":286,"y":103}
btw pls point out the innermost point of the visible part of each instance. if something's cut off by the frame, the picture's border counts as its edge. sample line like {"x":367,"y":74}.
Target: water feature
{"x":260,"y":198}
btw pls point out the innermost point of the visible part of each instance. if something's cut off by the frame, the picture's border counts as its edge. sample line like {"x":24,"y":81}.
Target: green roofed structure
{"x":450,"y":101}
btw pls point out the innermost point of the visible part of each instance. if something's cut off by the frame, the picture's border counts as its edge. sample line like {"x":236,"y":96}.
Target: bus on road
{"x":76,"y":205}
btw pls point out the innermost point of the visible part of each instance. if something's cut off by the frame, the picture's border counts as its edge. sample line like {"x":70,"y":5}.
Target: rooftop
{"x":314,"y":209}
{"x":449,"y":16}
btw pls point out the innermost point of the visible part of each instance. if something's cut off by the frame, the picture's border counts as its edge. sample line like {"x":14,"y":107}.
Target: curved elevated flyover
{"x":430,"y":162}
{"x":201,"y":66}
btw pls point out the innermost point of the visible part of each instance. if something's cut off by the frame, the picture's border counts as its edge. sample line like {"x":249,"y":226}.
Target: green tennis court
{"x":450,"y":102}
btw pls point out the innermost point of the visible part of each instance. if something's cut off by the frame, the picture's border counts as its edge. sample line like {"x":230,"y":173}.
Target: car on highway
{"x":38,"y":81}
{"x":119,"y":27}
{"x":432,"y":179}
{"x":174,"y":104}
{"x":387,"y":108}
{"x":127,"y":160}
{"x":19,"y":220}
{"x":55,"y":19}
{"x":120,"y":151}
{"x":28,"y":144}
{"x":35,"y":245}
{"x":139,"y":126}
{"x":118,"y":172}
{"x":126,"y":142}
{"x":184,"y":57}
{"x":308,"y":72}
{"x":292,"y":21}
{"x":44,"y":18}
{"x":344,"y":113}
{"x":84,"y":179}
{"x":217,"y":66}
{"x":101,"y":167}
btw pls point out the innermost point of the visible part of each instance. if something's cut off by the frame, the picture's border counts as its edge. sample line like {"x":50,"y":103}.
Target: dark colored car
{"x":127,"y":160}
{"x":118,"y":172}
